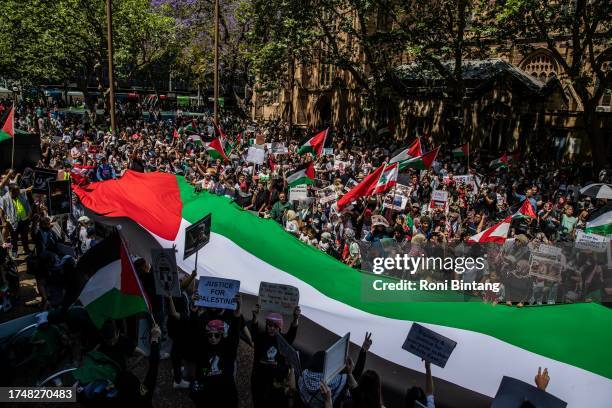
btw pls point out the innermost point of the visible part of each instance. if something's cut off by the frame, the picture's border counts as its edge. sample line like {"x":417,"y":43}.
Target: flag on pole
{"x":114,"y":291}
{"x":385,"y":131}
{"x":305,"y":175}
{"x":387,"y":179}
{"x":363,"y":189}
{"x":196,"y":139}
{"x":422,"y":162}
{"x":8,"y":128}
{"x":498,"y":233}
{"x":526,"y":210}
{"x":499,"y":163}
{"x":175,"y":134}
{"x":601,"y":225}
{"x":462,"y":151}
{"x":414,"y":150}
{"x":315,"y":144}
{"x":216,"y":149}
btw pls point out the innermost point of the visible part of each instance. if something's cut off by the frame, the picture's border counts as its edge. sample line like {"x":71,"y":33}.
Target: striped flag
{"x":302,"y":176}
{"x":387,"y":179}
{"x":601,"y":225}
{"x":315,"y":144}
{"x":461,"y":151}
{"x":498,"y":233}
{"x":414,"y":150}
{"x":499,"y":163}
{"x":423,"y":162}
{"x":8,"y":129}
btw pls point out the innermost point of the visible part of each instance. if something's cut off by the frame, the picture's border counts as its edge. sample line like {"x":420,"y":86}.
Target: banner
{"x":217,"y":292}
{"x":163,"y":262}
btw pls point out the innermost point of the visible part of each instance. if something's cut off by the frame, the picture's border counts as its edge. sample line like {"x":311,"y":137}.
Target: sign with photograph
{"x":196,"y":236}
{"x":275,"y":297}
{"x":328,"y":151}
{"x":439,"y":199}
{"x":217,"y":292}
{"x":41,"y":179}
{"x":59,"y":197}
{"x":335,"y":358}
{"x":429,"y":345}
{"x":327,"y":194}
{"x":279,"y":148}
{"x":163,"y":262}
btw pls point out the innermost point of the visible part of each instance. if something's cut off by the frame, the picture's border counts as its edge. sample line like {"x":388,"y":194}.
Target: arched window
{"x":540,"y":65}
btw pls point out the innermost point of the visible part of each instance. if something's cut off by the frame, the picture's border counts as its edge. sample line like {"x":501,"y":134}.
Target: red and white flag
{"x":387,"y":179}
{"x":498,"y":233}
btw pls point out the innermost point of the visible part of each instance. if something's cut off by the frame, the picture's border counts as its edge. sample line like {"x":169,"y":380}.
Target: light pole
{"x":111,"y":80}
{"x":216,"y":74}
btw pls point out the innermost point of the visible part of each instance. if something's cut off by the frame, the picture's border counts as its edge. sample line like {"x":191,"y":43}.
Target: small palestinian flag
{"x":315,"y":144}
{"x":387,"y":179}
{"x":302,"y":176}
{"x":499,"y":163}
{"x":601,"y":225}
{"x":461,"y":151}
{"x":525,"y":211}
{"x":8,"y":129}
{"x":176,"y":134}
{"x":195,"y":139}
{"x":414,"y":150}
{"x":423,"y":162}
{"x":386,"y":131}
{"x":114,"y":291}
{"x":216,"y":149}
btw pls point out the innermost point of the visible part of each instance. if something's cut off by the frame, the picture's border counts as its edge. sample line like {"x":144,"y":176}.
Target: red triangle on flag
{"x":9,"y":123}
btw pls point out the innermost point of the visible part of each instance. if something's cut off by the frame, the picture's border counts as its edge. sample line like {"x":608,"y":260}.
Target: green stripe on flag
{"x":114,"y":305}
{"x":541,"y":330}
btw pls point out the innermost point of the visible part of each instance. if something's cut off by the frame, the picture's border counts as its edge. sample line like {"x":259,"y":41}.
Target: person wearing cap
{"x":47,"y":341}
{"x":214,"y":384}
{"x":269,"y":367}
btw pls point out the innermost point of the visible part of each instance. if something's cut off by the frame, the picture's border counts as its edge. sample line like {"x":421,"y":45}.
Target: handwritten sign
{"x":274,"y":297}
{"x":298,"y":193}
{"x":429,"y":345}
{"x":591,"y":242}
{"x":217,"y":292}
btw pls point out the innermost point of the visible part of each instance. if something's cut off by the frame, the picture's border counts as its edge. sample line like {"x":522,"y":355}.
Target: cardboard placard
{"x":59,"y":197}
{"x":217,"y":292}
{"x":328,"y":151}
{"x":335,"y":358}
{"x":429,"y":345}
{"x":275,"y":297}
{"x":197,"y":236}
{"x":163,"y":261}
{"x":255,"y":155}
{"x":298,"y":193}
{"x":41,"y":179}
{"x":513,"y":393}
{"x":591,"y":242}
{"x":291,"y":355}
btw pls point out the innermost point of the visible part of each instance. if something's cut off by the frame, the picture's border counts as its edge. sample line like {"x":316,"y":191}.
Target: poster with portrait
{"x":41,"y":179}
{"x":59,"y":198}
{"x":197,"y":236}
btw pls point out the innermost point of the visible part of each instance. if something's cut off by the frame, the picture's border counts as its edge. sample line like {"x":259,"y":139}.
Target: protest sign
{"x":250,"y":129}
{"x":327,"y":194}
{"x":299,"y":192}
{"x":397,"y":198}
{"x":279,"y":148}
{"x":591,"y":242}
{"x":341,"y":166}
{"x":335,"y":358}
{"x":274,"y":297}
{"x":59,"y":197}
{"x":429,"y":345}
{"x":291,"y":355}
{"x":41,"y":179}
{"x":468,"y":179}
{"x":217,"y":292}
{"x":163,"y":261}
{"x":546,"y":262}
{"x":350,"y":184}
{"x":255,"y":155}
{"x":514,"y":393}
{"x":196,"y":236}
{"x":439,"y":199}
{"x":328,"y":151}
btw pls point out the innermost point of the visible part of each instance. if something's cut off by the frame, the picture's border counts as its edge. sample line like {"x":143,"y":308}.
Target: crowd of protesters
{"x":205,"y":341}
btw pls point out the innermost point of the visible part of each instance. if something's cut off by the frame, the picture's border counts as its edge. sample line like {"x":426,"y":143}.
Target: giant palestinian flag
{"x":571,"y":340}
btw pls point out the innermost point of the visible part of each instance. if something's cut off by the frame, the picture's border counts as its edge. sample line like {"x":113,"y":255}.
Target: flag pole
{"x":468,"y":157}
{"x":13,"y":126}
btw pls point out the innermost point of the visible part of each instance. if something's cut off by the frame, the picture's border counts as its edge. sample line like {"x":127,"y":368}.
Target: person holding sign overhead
{"x":214,"y":384}
{"x":269,"y":367}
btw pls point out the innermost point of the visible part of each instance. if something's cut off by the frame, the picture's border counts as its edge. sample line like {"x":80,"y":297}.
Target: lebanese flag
{"x":302,"y":176}
{"x":501,"y":162}
{"x":80,"y":173}
{"x":315,"y":144}
{"x":414,"y":150}
{"x":364,"y":189}
{"x":526,"y":210}
{"x":387,"y":179}
{"x":461,"y":151}
{"x":422,"y":162}
{"x":216,"y":149}
{"x":498,"y":233}
{"x":8,"y":129}
{"x":114,"y":291}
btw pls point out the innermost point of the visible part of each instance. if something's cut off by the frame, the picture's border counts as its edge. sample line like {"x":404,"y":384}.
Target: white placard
{"x":255,"y":155}
{"x":335,"y":358}
{"x":591,"y":242}
{"x":274,"y":297}
{"x":299,"y":192}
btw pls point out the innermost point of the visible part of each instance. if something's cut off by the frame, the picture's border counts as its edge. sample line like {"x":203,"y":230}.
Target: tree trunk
{"x":291,"y":86}
{"x":600,"y":147}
